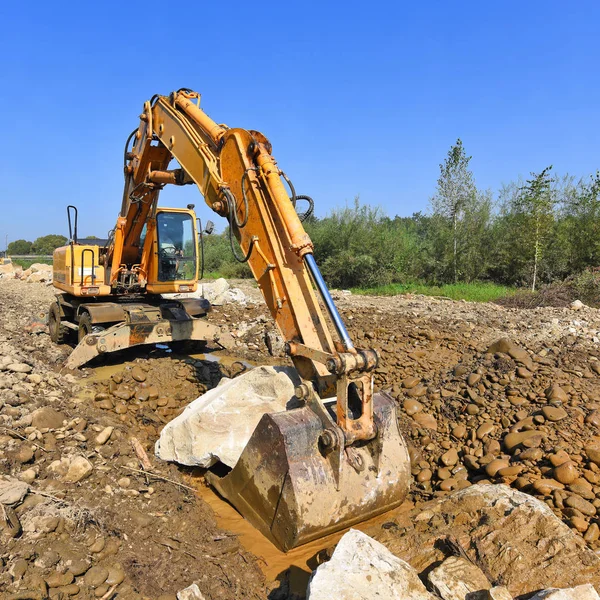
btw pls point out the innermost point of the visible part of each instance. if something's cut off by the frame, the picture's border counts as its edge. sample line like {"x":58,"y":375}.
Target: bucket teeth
{"x":287,"y":487}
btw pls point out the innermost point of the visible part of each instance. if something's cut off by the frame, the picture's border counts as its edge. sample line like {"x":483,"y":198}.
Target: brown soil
{"x":164,"y":535}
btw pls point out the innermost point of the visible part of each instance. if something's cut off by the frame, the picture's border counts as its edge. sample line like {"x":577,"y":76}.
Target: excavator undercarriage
{"x":104,"y":327}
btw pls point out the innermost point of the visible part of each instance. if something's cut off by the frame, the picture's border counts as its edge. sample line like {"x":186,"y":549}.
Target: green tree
{"x":455,"y":188}
{"x":357,"y":246}
{"x":536,"y":203}
{"x":19,"y":247}
{"x":582,"y":223}
{"x":48,"y":243}
{"x":463,"y":210}
{"x":475,"y":248}
{"x":218,"y":257}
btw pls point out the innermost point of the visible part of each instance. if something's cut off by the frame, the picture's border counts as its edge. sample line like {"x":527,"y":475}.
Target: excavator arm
{"x":330,"y":463}
{"x":240,"y":180}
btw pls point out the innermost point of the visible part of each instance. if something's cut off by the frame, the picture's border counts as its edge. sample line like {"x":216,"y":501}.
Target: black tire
{"x":59,"y":333}
{"x":85,"y":326}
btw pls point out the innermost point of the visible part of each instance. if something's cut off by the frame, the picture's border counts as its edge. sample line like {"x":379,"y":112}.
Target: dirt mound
{"x":584,"y":287}
{"x":515,"y":540}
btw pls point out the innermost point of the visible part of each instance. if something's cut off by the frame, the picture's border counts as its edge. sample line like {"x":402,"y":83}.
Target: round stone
{"x":424,"y":475}
{"x":460,"y":431}
{"x":448,"y":485}
{"x":484,"y":429}
{"x":449,"y":458}
{"x":96,"y":576}
{"x":493,"y":467}
{"x":554,"y":413}
{"x":566,"y":472}
{"x":412,"y":406}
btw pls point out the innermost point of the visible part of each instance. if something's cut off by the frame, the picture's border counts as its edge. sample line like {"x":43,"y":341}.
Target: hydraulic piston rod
{"x":313,"y":268}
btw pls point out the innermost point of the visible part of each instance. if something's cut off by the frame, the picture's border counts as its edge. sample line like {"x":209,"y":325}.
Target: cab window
{"x":176,"y":247}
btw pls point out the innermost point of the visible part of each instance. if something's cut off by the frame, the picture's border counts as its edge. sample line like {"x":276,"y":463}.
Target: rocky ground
{"x":80,"y":517}
{"x":485,"y":394}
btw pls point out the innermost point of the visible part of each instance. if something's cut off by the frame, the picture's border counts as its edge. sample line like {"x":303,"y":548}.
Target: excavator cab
{"x":176,"y":247}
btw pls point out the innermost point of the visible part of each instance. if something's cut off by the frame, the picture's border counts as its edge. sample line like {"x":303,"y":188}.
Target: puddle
{"x":221,"y":357}
{"x":300,"y":561}
{"x":101,"y":373}
{"x":105,"y":372}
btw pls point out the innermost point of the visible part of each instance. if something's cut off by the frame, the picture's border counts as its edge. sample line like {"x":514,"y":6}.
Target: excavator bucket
{"x":292,"y":491}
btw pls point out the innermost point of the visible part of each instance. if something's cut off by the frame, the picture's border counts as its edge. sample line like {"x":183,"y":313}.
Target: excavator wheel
{"x":59,"y":333}
{"x":86,"y":326}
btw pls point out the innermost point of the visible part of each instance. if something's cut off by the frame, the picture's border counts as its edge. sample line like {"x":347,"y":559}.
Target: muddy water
{"x":220,"y":357}
{"x":296,"y":565}
{"x":105,"y":372}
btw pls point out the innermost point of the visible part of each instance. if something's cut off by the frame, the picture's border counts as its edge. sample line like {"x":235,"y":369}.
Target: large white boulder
{"x":217,"y":426}
{"x":363,"y":569}
{"x":40,"y":268}
{"x":512,"y":536}
{"x":215,"y":289}
{"x":217,"y":292}
{"x":581,"y":592}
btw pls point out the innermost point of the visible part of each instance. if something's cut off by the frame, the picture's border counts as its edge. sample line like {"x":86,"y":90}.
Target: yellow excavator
{"x":336,"y":460}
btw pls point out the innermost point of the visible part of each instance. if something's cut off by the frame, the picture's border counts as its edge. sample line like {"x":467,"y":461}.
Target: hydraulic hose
{"x":233,"y":220}
{"x":311,"y":207}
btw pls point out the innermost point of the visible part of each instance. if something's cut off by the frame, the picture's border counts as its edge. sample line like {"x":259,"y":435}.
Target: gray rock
{"x":363,"y":569}
{"x":96,"y":576}
{"x":577,"y":305}
{"x":581,"y":592}
{"x":104,"y":436}
{"x":20,"y":368}
{"x":218,"y":425}
{"x":458,"y":579}
{"x":12,"y":491}
{"x":511,"y":535}
{"x":79,"y":468}
{"x":274,"y":342}
{"x":47,"y":417}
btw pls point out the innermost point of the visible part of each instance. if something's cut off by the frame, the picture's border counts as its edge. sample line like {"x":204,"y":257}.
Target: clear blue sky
{"x":356,"y":97}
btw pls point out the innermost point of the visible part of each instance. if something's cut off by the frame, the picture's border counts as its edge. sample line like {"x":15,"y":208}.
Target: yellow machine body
{"x":76,"y":270}
{"x":304,"y":472}
{"x":163,"y":267}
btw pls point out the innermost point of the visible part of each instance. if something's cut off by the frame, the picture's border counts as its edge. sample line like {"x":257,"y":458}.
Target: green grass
{"x":472,"y":292}
{"x":26,"y":263}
